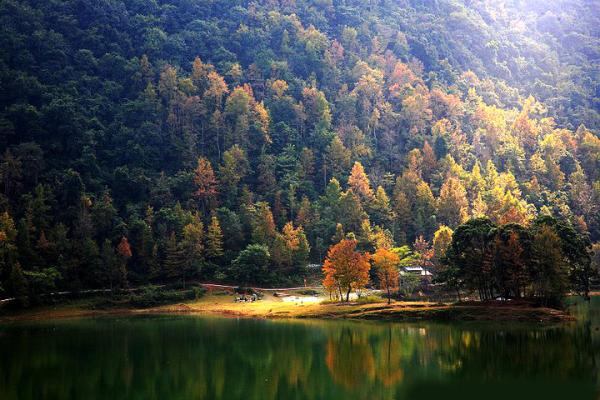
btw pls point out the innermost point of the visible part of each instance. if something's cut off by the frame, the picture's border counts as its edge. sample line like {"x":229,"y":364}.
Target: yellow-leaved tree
{"x":386,"y":263}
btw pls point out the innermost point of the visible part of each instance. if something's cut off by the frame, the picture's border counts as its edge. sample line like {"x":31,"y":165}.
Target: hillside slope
{"x":146,"y":140}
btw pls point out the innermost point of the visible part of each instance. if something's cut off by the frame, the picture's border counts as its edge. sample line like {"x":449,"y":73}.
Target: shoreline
{"x":408,"y":311}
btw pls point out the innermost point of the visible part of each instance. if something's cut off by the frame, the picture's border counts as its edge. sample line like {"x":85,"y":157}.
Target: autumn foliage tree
{"x":290,"y":248}
{"x":345,"y":268}
{"x":441,"y":241}
{"x":386,"y":264}
{"x":452,"y":204}
{"x":206,"y":183}
{"x":279,"y":121}
{"x":359,"y":182}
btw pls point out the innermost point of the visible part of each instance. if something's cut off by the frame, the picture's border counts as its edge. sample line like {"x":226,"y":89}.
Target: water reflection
{"x":211,"y":358}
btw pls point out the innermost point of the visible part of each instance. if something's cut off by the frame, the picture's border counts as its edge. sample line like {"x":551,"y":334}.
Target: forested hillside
{"x":150,"y":141}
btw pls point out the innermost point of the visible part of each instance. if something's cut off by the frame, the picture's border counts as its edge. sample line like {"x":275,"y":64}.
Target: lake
{"x":191,"y":357}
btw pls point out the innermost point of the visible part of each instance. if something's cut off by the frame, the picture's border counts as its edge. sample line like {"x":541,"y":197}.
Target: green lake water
{"x":190,"y":357}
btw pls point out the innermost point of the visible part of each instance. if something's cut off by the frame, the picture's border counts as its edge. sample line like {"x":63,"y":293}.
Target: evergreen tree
{"x":173,"y":262}
{"x":214,"y":239}
{"x":124,"y":254}
{"x":193,"y":248}
{"x":110,"y":264}
{"x":452,"y":204}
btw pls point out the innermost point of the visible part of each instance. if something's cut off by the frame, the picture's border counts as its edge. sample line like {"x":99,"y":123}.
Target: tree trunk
{"x":389,"y":295}
{"x":348,"y":294}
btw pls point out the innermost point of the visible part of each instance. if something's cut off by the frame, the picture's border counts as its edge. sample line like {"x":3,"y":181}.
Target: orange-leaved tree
{"x":206,"y":183}
{"x":386,"y":263}
{"x":358,"y":181}
{"x":345,"y":267}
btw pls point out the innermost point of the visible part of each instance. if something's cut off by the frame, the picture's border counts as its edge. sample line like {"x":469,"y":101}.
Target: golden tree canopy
{"x":346,"y":266}
{"x":359,"y":182}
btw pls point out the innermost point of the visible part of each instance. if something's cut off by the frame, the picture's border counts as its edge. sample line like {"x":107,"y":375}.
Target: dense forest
{"x":149,"y":141}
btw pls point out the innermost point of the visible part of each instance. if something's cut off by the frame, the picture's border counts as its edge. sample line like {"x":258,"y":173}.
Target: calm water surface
{"x":188,"y":357}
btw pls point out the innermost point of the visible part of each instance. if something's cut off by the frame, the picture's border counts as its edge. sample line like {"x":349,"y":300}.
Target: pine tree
{"x":18,"y":285}
{"x":380,"y":208}
{"x":146,"y":69}
{"x":206,"y":184}
{"x":513,"y":210}
{"x":233,"y":170}
{"x":359,"y":183}
{"x":339,"y":233}
{"x":109,"y":264}
{"x":424,"y":210}
{"x":403,"y":228}
{"x":476,"y":183}
{"x":263,"y":224}
{"x":291,"y":246}
{"x":124,"y":253}
{"x":452,"y":203}
{"x":429,"y":160}
{"x":193,"y":247}
{"x":337,"y":160}
{"x":549,"y":269}
{"x":173,"y":262}
{"x":214,"y":239}
{"x":303,"y":216}
{"x":441,"y":241}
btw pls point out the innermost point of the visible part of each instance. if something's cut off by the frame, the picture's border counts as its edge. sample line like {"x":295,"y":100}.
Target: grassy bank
{"x":299,"y":306}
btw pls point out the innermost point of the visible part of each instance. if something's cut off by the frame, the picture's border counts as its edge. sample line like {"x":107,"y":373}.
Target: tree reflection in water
{"x":187,"y":357}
